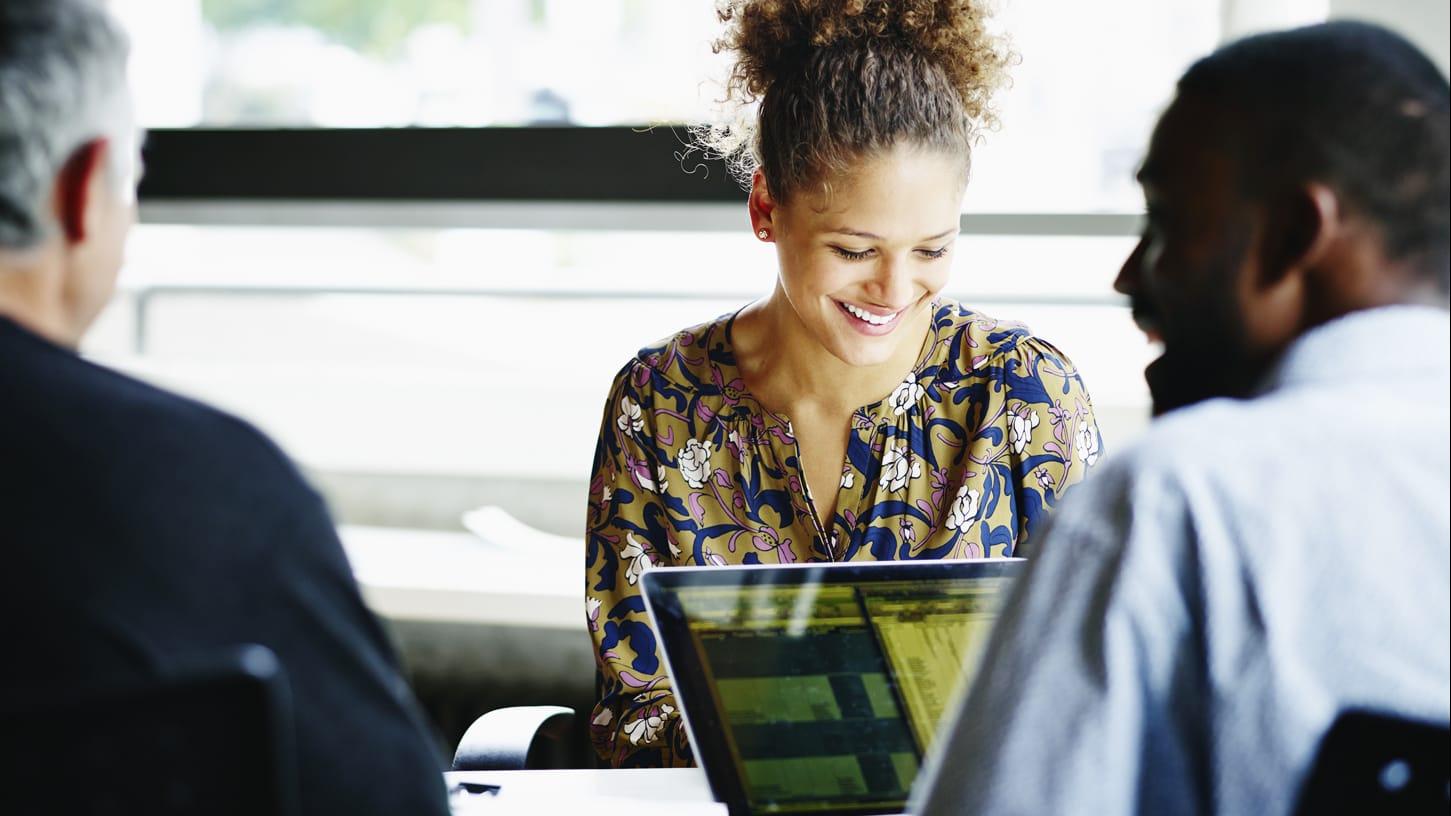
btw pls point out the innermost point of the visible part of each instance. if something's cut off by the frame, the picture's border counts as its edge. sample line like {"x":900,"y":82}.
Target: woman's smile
{"x":873,"y":321}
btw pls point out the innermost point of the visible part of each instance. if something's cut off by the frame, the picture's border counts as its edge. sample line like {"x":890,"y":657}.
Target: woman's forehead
{"x":899,"y":193}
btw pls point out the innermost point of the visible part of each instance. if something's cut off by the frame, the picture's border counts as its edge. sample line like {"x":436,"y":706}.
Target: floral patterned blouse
{"x":963,"y":460}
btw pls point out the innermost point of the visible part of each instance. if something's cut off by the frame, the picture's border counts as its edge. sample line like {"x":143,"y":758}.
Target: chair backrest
{"x":519,"y":738}
{"x":213,"y":738}
{"x":1372,"y":762}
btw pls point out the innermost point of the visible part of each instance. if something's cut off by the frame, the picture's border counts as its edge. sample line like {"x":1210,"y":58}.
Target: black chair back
{"x":1378,"y":763}
{"x":214,"y":739}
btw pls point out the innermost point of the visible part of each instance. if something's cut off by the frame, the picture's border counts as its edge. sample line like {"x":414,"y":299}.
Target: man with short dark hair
{"x":140,"y":531}
{"x":1274,"y":550}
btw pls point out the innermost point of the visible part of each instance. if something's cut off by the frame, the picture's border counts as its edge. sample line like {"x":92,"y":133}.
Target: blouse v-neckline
{"x":872,"y":415}
{"x":877,"y":411}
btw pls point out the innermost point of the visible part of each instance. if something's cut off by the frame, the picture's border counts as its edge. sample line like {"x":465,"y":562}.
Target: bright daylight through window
{"x":385,"y":350}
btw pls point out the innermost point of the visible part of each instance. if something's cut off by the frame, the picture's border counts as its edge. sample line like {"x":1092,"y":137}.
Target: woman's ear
{"x":762,"y":207}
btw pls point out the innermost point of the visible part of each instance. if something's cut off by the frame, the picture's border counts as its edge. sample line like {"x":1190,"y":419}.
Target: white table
{"x":431,"y":575}
{"x":629,"y":792}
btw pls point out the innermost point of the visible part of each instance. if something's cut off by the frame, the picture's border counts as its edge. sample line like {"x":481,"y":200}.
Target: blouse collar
{"x":740,"y":404}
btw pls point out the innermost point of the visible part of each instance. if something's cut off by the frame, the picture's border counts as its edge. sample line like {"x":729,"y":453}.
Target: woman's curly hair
{"x":817,"y":84}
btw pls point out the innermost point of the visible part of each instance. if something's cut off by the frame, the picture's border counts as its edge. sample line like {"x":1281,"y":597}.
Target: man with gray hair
{"x":139,"y":530}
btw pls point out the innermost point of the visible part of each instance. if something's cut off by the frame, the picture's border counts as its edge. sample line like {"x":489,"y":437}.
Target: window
{"x":400,"y":312}
{"x":1091,"y":80}
{"x":490,"y":351}
{"x":436,"y":63}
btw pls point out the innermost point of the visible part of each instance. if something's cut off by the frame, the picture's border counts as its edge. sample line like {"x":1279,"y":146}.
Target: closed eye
{"x":934,"y":254}
{"x":850,"y":255}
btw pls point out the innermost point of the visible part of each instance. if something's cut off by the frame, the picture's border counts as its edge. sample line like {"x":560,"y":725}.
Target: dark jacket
{"x":138,"y":528}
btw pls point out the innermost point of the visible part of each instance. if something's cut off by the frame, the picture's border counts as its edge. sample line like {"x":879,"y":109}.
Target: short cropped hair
{"x":1351,"y":105}
{"x":62,"y":84}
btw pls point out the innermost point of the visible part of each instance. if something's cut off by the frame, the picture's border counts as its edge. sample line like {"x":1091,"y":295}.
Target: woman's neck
{"x":788,"y":369}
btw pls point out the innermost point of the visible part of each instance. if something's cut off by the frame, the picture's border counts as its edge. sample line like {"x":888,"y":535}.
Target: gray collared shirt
{"x":1208,"y":602}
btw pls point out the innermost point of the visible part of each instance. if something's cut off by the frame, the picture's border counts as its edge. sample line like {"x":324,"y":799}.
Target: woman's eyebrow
{"x":854,"y":233}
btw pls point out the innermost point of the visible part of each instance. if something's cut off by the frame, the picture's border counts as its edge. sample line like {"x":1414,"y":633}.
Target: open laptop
{"x":819,"y":688}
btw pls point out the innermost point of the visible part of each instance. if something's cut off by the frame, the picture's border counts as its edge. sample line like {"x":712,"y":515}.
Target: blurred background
{"x":415,"y":240}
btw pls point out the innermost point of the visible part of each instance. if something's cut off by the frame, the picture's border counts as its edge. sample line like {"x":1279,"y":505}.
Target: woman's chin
{"x":863,"y":351}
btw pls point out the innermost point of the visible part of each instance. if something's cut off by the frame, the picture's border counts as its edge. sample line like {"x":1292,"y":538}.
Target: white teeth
{"x":864,"y":315}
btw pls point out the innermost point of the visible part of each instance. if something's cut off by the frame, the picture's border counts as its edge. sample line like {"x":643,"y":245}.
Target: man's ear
{"x":761,"y":204}
{"x":76,"y":186}
{"x":1300,"y":228}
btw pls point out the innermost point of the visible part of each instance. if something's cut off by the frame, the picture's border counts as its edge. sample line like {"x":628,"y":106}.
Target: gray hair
{"x":62,"y":84}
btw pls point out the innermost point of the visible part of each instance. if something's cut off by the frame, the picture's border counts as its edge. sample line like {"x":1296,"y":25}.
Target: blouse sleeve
{"x":635,"y":721}
{"x":1052,"y":435}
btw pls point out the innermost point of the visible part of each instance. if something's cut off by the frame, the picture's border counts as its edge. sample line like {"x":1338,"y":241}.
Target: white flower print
{"x":630,"y":418}
{"x":733,"y":442}
{"x":694,"y":461}
{"x":592,"y":613}
{"x":909,"y":532}
{"x":1085,"y":442}
{"x":660,"y":481}
{"x":964,"y":509}
{"x":607,"y":495}
{"x":898,"y":467}
{"x":647,"y":728}
{"x":1022,"y":419}
{"x":906,"y":395}
{"x":638,"y":560}
{"x":640,"y":472}
{"x":848,"y":478}
{"x":605,"y":717}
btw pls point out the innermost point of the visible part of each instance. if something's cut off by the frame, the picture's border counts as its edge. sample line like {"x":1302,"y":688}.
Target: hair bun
{"x":773,"y":38}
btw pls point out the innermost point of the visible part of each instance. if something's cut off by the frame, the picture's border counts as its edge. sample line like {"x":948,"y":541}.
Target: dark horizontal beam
{"x":537,"y":164}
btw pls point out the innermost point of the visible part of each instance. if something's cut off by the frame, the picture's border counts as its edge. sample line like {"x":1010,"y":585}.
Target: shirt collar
{"x":9,"y":325}
{"x":1368,"y":344}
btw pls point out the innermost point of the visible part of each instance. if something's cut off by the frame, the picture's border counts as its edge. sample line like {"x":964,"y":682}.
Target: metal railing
{"x":615,"y":216}
{"x":584,"y":216}
{"x":143,"y":297}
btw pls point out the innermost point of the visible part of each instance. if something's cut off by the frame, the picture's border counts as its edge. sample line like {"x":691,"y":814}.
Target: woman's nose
{"x":892,"y":284}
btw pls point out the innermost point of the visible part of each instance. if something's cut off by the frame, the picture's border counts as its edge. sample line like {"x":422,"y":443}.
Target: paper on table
{"x":533,"y":804}
{"x":496,"y":526}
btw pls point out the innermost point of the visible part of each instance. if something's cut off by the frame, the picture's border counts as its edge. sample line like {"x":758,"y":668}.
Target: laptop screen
{"x":822,"y":689}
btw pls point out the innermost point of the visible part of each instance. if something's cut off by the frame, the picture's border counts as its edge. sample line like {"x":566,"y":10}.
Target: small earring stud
{"x":762,"y":234}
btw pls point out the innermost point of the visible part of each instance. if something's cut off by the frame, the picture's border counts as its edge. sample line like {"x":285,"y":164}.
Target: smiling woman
{"x":853,"y":413}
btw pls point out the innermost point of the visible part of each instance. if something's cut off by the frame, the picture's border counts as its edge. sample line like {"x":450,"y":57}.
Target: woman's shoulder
{"x":685,"y":362}
{"x":971,"y":340}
